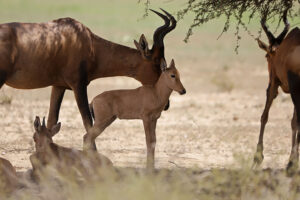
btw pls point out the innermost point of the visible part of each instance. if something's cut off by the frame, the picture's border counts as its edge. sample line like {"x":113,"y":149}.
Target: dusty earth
{"x":215,"y":125}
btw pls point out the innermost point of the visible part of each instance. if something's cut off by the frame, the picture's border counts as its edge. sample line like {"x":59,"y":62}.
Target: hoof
{"x":291,"y":168}
{"x":257,"y":160}
{"x":88,"y":145}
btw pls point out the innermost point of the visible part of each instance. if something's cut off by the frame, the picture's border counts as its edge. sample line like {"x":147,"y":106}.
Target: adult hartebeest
{"x":145,"y":103}
{"x":283,"y":56}
{"x":65,"y":54}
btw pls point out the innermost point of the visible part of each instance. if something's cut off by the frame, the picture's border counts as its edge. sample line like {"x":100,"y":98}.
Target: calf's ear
{"x":37,"y":124}
{"x":163,"y":65}
{"x":55,"y":129}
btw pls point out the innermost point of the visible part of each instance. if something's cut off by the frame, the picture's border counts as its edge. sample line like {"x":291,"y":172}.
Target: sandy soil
{"x":214,"y":125}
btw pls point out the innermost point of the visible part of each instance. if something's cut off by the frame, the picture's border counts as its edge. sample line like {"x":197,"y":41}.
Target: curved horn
{"x":173,"y":21}
{"x":286,"y":28}
{"x":157,"y":36}
{"x":270,"y":36}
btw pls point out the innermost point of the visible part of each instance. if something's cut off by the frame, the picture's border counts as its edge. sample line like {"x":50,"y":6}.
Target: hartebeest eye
{"x":173,"y":76}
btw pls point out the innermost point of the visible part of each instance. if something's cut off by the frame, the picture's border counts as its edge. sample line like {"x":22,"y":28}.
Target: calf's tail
{"x":92,"y":110}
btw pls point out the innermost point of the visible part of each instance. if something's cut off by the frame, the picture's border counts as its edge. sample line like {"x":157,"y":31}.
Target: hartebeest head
{"x":274,"y":42}
{"x":154,"y":55}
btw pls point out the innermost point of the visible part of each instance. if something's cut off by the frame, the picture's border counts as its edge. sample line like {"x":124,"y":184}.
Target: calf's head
{"x":42,"y":135}
{"x":171,"y":77}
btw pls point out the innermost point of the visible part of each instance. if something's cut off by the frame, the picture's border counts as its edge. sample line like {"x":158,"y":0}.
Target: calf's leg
{"x":149,"y":127}
{"x":99,"y":126}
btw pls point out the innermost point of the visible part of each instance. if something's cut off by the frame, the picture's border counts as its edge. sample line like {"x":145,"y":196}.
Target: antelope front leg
{"x":80,"y":93}
{"x":150,"y":126}
{"x":57,"y":95}
{"x":272,"y":92}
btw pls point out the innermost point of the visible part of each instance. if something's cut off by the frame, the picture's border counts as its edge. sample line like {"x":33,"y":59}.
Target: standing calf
{"x":63,"y":159}
{"x":146,"y":103}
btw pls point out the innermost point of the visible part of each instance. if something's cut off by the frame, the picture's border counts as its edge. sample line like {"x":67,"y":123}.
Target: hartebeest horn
{"x":285,"y":30}
{"x":160,"y":32}
{"x":173,"y":21}
{"x":271,"y":38}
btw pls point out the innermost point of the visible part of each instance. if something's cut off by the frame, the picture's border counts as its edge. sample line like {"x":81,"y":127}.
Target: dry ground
{"x":212,"y":126}
{"x":216,"y":122}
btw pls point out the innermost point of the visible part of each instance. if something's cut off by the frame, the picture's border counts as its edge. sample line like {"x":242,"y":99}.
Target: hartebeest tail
{"x":283,"y":56}
{"x":145,"y":103}
{"x":50,"y":154}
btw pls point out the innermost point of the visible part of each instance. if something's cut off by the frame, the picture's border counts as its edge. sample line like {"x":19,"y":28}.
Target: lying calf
{"x":64,"y":160}
{"x":8,"y":178}
{"x":146,"y":103}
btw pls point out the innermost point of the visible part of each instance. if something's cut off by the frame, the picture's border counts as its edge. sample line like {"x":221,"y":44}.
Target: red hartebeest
{"x":145,"y":103}
{"x":65,"y":54}
{"x":283,"y":56}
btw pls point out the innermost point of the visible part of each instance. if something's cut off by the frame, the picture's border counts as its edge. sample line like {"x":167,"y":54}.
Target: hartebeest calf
{"x":283,"y":56}
{"x":61,"y":158}
{"x":146,"y":103}
{"x":8,"y":178}
{"x":65,"y":54}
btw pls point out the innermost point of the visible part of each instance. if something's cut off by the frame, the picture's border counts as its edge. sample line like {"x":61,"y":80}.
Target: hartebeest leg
{"x":81,"y":97}
{"x":2,"y":78}
{"x":294,"y":133}
{"x":294,"y":86}
{"x":57,"y":95}
{"x":272,"y":92}
{"x":149,"y":127}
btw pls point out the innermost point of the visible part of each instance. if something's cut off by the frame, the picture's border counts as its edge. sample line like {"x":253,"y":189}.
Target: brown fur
{"x":146,"y":103}
{"x":283,"y":56}
{"x":8,"y":178}
{"x":62,"y":159}
{"x":65,"y":54}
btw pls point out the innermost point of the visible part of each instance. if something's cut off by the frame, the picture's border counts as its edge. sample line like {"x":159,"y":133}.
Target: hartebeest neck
{"x":115,"y":60}
{"x":163,"y":91}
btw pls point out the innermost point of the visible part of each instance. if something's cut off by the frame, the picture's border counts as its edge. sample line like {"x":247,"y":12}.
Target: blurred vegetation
{"x":163,"y":184}
{"x":237,"y":12}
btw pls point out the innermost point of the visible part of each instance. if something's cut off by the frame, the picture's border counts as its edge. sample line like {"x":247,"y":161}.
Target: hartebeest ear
{"x":262,"y":45}
{"x":163,"y":65}
{"x":142,"y":46}
{"x":55,"y":129}
{"x":172,"y":64}
{"x":37,"y":124}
